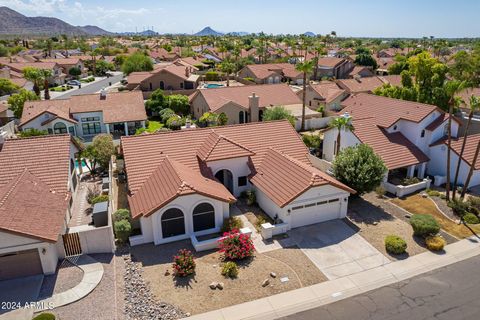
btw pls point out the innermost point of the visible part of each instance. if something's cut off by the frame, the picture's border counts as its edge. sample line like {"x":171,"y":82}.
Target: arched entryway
{"x":203,"y":217}
{"x":59,"y":128}
{"x":173,"y":223}
{"x":225,"y":177}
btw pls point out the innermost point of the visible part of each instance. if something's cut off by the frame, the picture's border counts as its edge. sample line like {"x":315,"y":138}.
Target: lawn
{"x":153,"y":126}
{"x":417,"y":204}
{"x":61,"y":88}
{"x":193,"y":294}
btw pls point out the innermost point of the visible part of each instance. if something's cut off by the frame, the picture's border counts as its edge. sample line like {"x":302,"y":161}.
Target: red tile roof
{"x":470,"y":148}
{"x":145,"y":153}
{"x":218,"y":147}
{"x":116,"y":107}
{"x":327,"y":90}
{"x":269,"y":94}
{"x":283,"y":178}
{"x":330,"y":62}
{"x":367,"y":84}
{"x":29,"y":206}
{"x":263,"y":71}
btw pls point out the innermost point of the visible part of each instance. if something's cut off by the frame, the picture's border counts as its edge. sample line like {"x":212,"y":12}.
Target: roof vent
{"x":103,"y":94}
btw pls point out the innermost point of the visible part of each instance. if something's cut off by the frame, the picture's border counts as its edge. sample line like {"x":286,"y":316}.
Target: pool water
{"x":213,"y":85}
{"x":83,"y":163}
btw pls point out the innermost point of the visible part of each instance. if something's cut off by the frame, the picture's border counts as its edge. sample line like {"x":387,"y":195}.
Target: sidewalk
{"x":294,"y":301}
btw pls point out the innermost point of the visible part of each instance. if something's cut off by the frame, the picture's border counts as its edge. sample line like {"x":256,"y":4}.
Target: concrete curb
{"x":302,"y":299}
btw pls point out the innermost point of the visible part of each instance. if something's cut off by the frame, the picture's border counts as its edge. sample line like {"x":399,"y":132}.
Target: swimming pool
{"x":83,"y":163}
{"x":213,"y":86}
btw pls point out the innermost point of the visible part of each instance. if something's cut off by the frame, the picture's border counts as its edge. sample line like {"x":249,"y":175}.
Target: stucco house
{"x":272,"y":73}
{"x":37,"y":187}
{"x":331,"y":67}
{"x":326,"y":95}
{"x":244,"y":103}
{"x":400,"y":132}
{"x":176,"y":191}
{"x":68,"y":63}
{"x":85,"y":116}
{"x":57,"y":78}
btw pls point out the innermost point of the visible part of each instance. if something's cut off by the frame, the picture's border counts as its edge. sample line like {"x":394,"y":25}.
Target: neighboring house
{"x":383,"y":65}
{"x":325,"y":94}
{"x":161,"y":54}
{"x":438,"y":162}
{"x":361,"y":71}
{"x":68,"y":63}
{"x":368,"y":84}
{"x":57,"y":78}
{"x":244,"y":103}
{"x":399,"y":131}
{"x":85,"y":116}
{"x":37,"y":186}
{"x":331,"y":67}
{"x":187,"y":190}
{"x":272,"y":73}
{"x":6,"y":115}
{"x":166,"y":77}
{"x":15,"y":77}
{"x":193,"y":62}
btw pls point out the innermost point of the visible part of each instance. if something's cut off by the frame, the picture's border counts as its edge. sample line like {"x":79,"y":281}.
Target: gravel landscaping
{"x":374,"y":220}
{"x":193,"y":295}
{"x":66,"y":277}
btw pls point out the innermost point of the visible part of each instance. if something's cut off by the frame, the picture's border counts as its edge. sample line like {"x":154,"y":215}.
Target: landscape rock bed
{"x":139,"y":301}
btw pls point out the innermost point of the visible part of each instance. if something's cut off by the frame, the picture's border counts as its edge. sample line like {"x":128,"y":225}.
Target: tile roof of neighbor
{"x":39,"y":65}
{"x":367,"y":84}
{"x":218,"y":147}
{"x":466,"y":94}
{"x":470,"y":148}
{"x":269,"y":94}
{"x":327,"y":90}
{"x":283,"y":178}
{"x":143,"y":154}
{"x":263,"y":71}
{"x":330,"y":61}
{"x":28,"y":206}
{"x":64,"y":61}
{"x":116,"y":107}
{"x":172,"y":179}
{"x":177,"y":70}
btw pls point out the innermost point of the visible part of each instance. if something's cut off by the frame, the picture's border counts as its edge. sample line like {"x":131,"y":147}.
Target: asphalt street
{"x":448,"y":293}
{"x":93,"y":87}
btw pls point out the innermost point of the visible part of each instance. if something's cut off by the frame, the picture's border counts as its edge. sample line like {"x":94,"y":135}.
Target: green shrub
{"x":435,"y":243}
{"x":251,"y":198}
{"x":183,"y":263}
{"x":424,"y":225}
{"x":470,"y":218}
{"x":459,"y":207}
{"x":395,"y":245}
{"x":212,"y":76}
{"x":45,"y":316}
{"x":174,"y":122}
{"x":380,"y":191}
{"x":231,"y":223}
{"x":433,"y":193}
{"x":92,"y":193}
{"x":230,"y":269}
{"x":249,"y":79}
{"x":121,"y":214}
{"x":312,"y":140}
{"x":100,"y":198}
{"x":122,"y":229}
{"x":410,"y":181}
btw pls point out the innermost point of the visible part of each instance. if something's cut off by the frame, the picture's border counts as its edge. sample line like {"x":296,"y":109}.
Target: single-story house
{"x":57,"y":78}
{"x":87,"y":115}
{"x":37,"y":186}
{"x":272,"y":73}
{"x":326,"y":95}
{"x":361,"y":71}
{"x":177,"y":191}
{"x":68,"y":63}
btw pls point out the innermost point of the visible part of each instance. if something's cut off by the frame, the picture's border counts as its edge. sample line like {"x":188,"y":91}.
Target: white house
{"x":179,"y":189}
{"x":400,"y":132}
{"x":37,"y":186}
{"x":85,"y":116}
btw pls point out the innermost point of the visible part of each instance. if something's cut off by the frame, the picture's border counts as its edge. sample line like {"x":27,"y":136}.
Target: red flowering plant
{"x":183,"y":263}
{"x":235,"y":245}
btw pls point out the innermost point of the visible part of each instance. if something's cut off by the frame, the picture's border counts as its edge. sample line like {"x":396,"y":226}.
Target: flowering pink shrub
{"x":183,"y":263}
{"x":236,"y":246}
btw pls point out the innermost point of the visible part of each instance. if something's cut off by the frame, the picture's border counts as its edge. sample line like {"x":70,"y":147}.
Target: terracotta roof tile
{"x":218,"y":147}
{"x":367,"y":84}
{"x":470,"y":148}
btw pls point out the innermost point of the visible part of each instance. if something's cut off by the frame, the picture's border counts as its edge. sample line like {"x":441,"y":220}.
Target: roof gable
{"x":219,"y":147}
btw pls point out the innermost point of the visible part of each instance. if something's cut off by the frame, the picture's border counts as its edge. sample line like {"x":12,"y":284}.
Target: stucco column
{"x":107,"y":126}
{"x":126,"y":128}
{"x":411,"y":171}
{"x":421,"y":171}
{"x":143,"y":124}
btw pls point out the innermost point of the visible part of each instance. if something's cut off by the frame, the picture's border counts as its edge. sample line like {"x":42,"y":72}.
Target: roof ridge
{"x":301,"y":165}
{"x":10,"y":190}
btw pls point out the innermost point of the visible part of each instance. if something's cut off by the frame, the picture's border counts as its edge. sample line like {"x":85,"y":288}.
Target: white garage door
{"x":315,"y":212}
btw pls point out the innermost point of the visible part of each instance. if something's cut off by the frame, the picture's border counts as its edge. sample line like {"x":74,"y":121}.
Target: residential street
{"x":92,"y":88}
{"x":446,"y":293}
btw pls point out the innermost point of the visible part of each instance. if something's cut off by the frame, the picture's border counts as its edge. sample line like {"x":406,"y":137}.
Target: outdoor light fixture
{"x":44,"y":251}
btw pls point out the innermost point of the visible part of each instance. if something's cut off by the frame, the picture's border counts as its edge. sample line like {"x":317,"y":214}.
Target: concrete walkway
{"x":294,"y":301}
{"x":92,"y":275}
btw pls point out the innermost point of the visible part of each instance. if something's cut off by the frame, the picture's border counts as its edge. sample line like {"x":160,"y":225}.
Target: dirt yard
{"x":374,"y":223}
{"x":192,"y":294}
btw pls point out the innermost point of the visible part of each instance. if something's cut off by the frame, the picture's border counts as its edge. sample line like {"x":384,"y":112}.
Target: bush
{"x":470,"y":218}
{"x":230,"y":269}
{"x":92,"y":193}
{"x":435,"y":243}
{"x":212,"y":76}
{"x":424,"y":225}
{"x":100,"y":198}
{"x":236,"y":246}
{"x":459,"y":207}
{"x":395,"y":245}
{"x":433,"y":193}
{"x":232,"y":223}
{"x":45,"y":316}
{"x":249,"y":79}
{"x":380,"y":191}
{"x":410,"y":181}
{"x":174,"y":122}
{"x":312,"y":140}
{"x":251,"y":198}
{"x":183,"y":263}
{"x":122,"y":229}
{"x":121,"y":214}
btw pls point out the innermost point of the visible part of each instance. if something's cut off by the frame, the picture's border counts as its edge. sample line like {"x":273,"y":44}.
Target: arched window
{"x":241,"y":117}
{"x":173,"y":223}
{"x":59,"y":127}
{"x":203,"y":217}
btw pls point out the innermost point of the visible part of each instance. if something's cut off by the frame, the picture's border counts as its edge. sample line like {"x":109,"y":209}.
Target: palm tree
{"x":341,"y":123}
{"x":45,"y":74}
{"x":33,"y":75}
{"x":305,"y":67}
{"x":227,"y":67}
{"x":470,"y":172}
{"x":452,"y":88}
{"x":319,"y":49}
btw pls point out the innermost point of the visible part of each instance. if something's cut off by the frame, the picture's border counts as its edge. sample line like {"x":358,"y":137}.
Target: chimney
{"x":358,"y":78}
{"x":103,"y":94}
{"x":254,"y":106}
{"x":187,"y":72}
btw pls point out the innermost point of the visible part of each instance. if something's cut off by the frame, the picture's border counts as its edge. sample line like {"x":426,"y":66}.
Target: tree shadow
{"x":363,"y":211}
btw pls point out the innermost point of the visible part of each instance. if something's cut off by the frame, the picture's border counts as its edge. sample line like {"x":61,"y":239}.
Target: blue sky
{"x":379,"y":18}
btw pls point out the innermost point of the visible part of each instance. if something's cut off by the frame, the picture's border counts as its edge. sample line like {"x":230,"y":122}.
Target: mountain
{"x":95,"y":31}
{"x":309,"y":34}
{"x":15,"y":23}
{"x":207,"y":31}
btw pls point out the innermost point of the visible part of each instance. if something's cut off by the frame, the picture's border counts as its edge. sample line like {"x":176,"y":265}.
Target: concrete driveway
{"x":20,"y":291}
{"x":336,"y":249}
